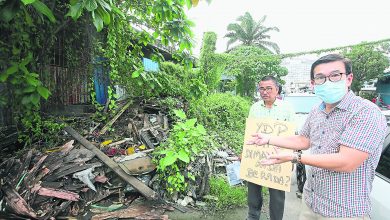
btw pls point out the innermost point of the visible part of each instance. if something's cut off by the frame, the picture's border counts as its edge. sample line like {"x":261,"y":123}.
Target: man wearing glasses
{"x":268,"y":107}
{"x":345,"y":135}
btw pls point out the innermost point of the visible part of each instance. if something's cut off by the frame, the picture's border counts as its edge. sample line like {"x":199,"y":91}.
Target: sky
{"x":304,"y":25}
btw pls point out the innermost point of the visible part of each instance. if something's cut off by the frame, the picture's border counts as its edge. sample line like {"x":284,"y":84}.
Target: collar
{"x":276,"y":102}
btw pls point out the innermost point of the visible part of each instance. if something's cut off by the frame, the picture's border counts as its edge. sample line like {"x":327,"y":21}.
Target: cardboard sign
{"x":277,"y":176}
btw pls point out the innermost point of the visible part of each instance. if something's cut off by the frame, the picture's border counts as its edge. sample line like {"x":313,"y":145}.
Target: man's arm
{"x":346,"y":160}
{"x":296,"y":142}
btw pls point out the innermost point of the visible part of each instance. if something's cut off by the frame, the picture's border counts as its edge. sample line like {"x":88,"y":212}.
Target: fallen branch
{"x":137,"y":184}
{"x":110,"y":123}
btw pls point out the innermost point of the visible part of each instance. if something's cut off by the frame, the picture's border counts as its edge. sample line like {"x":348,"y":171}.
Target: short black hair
{"x":271,"y":78}
{"x":332,"y":58}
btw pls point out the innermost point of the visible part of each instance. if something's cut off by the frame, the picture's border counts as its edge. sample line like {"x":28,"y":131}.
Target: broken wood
{"x":110,"y":123}
{"x":56,"y":193}
{"x":17,"y":203}
{"x":106,"y":106}
{"x":132,"y":128}
{"x":79,"y":155}
{"x":75,"y":168}
{"x":137,"y":184}
{"x":119,"y":142}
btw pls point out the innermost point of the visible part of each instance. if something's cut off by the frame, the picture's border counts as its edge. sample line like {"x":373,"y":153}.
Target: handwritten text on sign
{"x":277,"y":176}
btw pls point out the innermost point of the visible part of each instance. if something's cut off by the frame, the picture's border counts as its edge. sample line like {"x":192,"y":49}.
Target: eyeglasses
{"x":321,"y":79}
{"x":268,"y":89}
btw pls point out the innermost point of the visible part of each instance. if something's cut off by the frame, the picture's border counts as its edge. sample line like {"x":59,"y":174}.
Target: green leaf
{"x":104,"y":4}
{"x":190,"y":122}
{"x":8,"y":12}
{"x":12,"y":69}
{"x":75,"y":11}
{"x":118,"y":11}
{"x":3,"y":77}
{"x":183,"y":156}
{"x":182,"y":46}
{"x":155,"y":34}
{"x":180,"y":114}
{"x":135,"y":74}
{"x":35,"y":98}
{"x":97,"y":21}
{"x":26,"y":100}
{"x":42,"y":8}
{"x":28,"y":17}
{"x":26,"y":60}
{"x":90,"y":5}
{"x":105,"y":15}
{"x":29,"y":89}
{"x":26,"y":2}
{"x":169,"y":159}
{"x":45,"y":93}
{"x":192,"y":177}
{"x":32,"y":80}
{"x":189,"y":4}
{"x":201,"y":129}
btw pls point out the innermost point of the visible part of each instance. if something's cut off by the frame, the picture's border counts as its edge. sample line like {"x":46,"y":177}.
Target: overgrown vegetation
{"x":177,"y":81}
{"x":227,"y":196}
{"x":30,"y":29}
{"x":224,"y":117}
{"x":211,"y":66}
{"x":187,"y":139}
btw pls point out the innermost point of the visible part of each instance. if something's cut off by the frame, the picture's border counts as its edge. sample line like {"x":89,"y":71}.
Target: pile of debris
{"x":100,"y":178}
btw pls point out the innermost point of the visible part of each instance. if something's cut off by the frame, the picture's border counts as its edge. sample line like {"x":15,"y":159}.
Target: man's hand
{"x":258,"y":139}
{"x":277,"y":158}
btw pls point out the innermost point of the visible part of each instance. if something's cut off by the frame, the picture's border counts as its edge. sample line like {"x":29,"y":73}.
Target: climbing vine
{"x":31,"y":28}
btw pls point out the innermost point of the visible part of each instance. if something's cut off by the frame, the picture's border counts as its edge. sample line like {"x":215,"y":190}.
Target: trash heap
{"x":101,"y":172}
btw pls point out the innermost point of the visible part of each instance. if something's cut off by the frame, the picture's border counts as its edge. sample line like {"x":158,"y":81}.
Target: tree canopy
{"x":249,"y":32}
{"x":368,"y":62}
{"x":249,"y":64}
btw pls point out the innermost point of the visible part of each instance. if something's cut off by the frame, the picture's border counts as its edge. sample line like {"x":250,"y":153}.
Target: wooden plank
{"x":17,"y":203}
{"x":75,"y":168}
{"x":58,"y":193}
{"x":109,"y":124}
{"x":137,"y":184}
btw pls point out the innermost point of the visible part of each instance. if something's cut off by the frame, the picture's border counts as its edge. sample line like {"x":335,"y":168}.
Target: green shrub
{"x":186,"y":140}
{"x":228,"y":196}
{"x":224,"y":117}
{"x":176,"y":81}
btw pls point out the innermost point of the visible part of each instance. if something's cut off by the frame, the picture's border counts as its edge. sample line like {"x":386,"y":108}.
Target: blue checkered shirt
{"x":355,"y":123}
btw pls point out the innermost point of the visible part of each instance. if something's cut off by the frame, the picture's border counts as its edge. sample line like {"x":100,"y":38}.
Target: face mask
{"x":331,"y":92}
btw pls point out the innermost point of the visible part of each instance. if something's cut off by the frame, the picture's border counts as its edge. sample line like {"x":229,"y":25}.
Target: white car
{"x":380,"y":195}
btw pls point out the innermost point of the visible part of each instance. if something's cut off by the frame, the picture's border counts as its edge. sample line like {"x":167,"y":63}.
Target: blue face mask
{"x":331,"y":92}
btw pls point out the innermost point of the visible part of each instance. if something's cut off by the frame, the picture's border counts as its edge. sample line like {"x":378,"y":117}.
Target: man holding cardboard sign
{"x":269,"y":115}
{"x":345,"y":134}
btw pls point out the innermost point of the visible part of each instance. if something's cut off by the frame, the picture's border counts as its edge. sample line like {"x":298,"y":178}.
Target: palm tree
{"x":251,"y":33}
